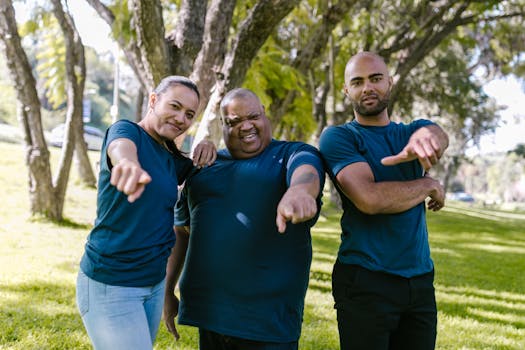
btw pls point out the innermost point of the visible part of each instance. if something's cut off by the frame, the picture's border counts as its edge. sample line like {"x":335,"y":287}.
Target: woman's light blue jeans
{"x":120,"y":317}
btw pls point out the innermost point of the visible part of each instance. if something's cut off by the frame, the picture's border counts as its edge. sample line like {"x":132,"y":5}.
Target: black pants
{"x":209,"y":340}
{"x":379,"y":311}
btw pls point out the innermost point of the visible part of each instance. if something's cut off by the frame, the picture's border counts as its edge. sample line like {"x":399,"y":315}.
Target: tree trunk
{"x":83,"y":163}
{"x":315,"y":45}
{"x":140,"y":105}
{"x":74,"y":126}
{"x":213,"y":50}
{"x":41,"y":192}
{"x":252,"y":34}
{"x":148,"y":25}
{"x":319,"y":102}
{"x":186,"y":40}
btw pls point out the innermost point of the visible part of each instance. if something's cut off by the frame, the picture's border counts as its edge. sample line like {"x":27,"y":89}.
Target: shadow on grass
{"x":483,"y":306}
{"x":65,"y":222}
{"x":40,"y":315}
{"x":321,"y":281}
{"x":480,"y":284}
{"x":479,"y":253}
{"x":479,"y":278}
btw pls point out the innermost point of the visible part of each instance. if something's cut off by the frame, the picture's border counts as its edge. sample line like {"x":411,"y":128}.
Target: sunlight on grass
{"x":515,"y":297}
{"x":478,"y":255}
{"x":464,"y":333}
{"x":493,"y":248}
{"x":327,"y":230}
{"x":319,"y":329}
{"x":478,"y":301}
{"x":498,"y":317}
{"x":502,"y":240}
{"x":481,"y":213}
{"x":449,"y":252}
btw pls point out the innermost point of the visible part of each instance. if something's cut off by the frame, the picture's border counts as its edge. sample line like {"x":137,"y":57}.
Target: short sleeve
{"x":305,"y":154}
{"x":339,"y":147}
{"x":123,"y":129}
{"x":419,"y":123}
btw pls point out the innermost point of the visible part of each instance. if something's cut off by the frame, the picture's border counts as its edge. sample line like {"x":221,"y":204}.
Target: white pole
{"x":114,"y":108}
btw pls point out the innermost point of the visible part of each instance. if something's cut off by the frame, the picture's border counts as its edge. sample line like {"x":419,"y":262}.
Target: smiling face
{"x":171,"y":112}
{"x":368,"y":85}
{"x":246,"y":129}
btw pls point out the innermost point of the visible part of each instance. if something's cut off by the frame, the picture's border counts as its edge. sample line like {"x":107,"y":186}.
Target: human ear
{"x":152,"y":99}
{"x":345,"y":90}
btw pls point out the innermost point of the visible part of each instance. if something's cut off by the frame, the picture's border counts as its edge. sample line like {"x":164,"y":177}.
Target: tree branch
{"x":129,"y":47}
{"x":186,"y":40}
{"x":318,"y":39}
{"x":213,"y":50}
{"x":426,"y":44}
{"x":253,"y":32}
{"x":148,"y":24}
{"x":103,"y":11}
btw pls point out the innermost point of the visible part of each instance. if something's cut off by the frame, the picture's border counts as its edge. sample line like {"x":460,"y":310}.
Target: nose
{"x":180,"y":117}
{"x":246,"y":124}
{"x":367,"y":86}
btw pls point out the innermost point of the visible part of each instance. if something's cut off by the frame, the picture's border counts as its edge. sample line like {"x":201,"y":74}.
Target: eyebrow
{"x":374,"y":75}
{"x":251,"y":114}
{"x":181,"y":104}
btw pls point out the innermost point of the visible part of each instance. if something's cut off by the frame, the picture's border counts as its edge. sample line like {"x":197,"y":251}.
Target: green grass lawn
{"x":479,"y":257}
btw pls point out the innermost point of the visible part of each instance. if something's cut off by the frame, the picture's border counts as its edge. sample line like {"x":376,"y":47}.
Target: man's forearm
{"x":392,"y":197}
{"x":176,"y":259}
{"x":306,"y":178}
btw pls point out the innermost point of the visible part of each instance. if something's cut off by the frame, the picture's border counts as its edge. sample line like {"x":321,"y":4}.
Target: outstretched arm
{"x":173,"y":271}
{"x":426,"y":144}
{"x":298,"y":203}
{"x":127,"y":175}
{"x":358,"y":184}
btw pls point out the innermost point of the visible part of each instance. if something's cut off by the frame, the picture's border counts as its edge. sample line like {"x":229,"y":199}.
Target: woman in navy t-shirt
{"x":120,"y":285}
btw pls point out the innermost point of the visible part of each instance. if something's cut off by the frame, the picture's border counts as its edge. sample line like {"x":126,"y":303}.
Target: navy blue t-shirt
{"x":392,"y":243}
{"x":242,"y":277}
{"x":130,"y":242}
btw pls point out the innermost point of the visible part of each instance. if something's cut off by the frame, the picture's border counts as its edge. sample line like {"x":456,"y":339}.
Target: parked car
{"x":92,"y":136}
{"x":460,"y":196}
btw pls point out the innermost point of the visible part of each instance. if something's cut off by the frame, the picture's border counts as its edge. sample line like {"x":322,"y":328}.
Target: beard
{"x":371,"y":111}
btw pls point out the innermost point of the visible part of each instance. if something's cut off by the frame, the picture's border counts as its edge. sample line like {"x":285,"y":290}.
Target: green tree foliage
{"x":51,"y":64}
{"x":44,"y":44}
{"x":414,"y":37}
{"x":47,"y":54}
{"x":271,"y":78}
{"x":519,"y":150}
{"x":440,"y":54}
{"x":121,"y":26}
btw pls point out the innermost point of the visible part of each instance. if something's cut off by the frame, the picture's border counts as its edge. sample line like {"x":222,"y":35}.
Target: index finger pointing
{"x":280,"y":221}
{"x":394,"y":160}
